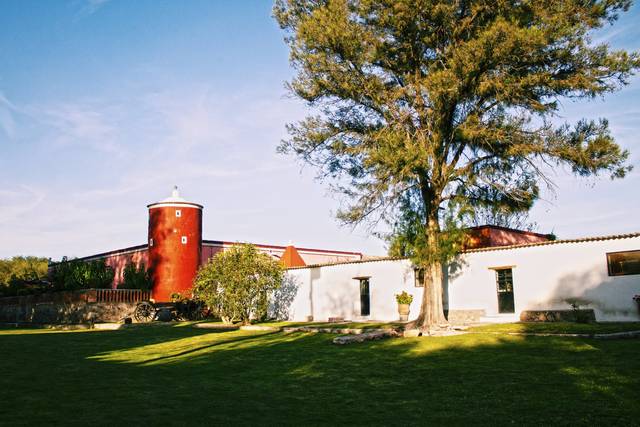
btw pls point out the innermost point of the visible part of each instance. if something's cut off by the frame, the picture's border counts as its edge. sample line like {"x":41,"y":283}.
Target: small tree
{"x":23,"y":275}
{"x":136,"y":277}
{"x":237,"y":283}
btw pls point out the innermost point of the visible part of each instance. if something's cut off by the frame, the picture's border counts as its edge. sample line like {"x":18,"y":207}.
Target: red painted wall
{"x":119,"y":261}
{"x":174,"y":263}
{"x":209,"y":252}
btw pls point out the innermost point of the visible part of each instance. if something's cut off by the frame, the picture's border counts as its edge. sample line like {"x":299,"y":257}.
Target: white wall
{"x":334,"y":291}
{"x":544,"y":277}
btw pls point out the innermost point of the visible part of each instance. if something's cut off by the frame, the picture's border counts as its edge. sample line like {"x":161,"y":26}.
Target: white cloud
{"x":85,"y":124}
{"x":7,"y":123}
{"x":89,"y":7}
{"x":14,"y":204}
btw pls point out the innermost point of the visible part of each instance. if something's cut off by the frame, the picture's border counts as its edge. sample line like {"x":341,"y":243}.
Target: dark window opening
{"x":419,"y":277}
{"x":623,"y":263}
{"x":504,"y":282}
{"x":365,"y":297}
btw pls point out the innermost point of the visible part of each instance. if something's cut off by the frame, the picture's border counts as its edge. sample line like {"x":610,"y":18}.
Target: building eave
{"x":488,"y":249}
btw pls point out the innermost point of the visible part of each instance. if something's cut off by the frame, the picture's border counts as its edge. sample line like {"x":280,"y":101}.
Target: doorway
{"x":365,"y":298}
{"x":504,"y":283}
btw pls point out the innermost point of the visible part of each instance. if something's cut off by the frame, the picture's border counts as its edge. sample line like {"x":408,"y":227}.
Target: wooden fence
{"x":82,"y":295}
{"x":117,"y":295}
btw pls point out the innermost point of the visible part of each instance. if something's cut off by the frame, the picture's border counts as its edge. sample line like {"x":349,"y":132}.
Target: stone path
{"x":366,"y":336}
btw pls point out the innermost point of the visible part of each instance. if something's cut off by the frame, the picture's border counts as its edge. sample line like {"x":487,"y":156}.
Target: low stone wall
{"x":63,"y":307}
{"x":583,"y":315}
{"x":461,"y":317}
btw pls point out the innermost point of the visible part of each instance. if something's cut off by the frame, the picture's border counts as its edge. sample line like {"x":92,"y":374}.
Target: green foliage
{"x":70,"y":275}
{"x":404,"y":298}
{"x":22,"y":275}
{"x":449,"y":101}
{"x":431,"y":114}
{"x":237,"y":283}
{"x":136,"y":277}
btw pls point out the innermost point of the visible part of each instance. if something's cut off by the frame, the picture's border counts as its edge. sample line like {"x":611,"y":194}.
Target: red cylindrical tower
{"x":175,"y":245}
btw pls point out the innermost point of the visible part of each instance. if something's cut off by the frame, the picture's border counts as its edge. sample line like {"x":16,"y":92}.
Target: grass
{"x":180,"y":375}
{"x":338,"y":325}
{"x":559,"y":327}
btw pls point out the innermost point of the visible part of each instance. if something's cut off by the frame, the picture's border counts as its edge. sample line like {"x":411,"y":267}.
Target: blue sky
{"x":106,"y":104}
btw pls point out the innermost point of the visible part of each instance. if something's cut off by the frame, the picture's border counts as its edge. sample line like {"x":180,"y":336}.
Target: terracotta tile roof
{"x":291,"y":258}
{"x":358,"y":261}
{"x":510,"y":230}
{"x":489,"y":249}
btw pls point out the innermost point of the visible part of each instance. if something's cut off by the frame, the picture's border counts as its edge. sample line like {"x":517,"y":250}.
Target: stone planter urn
{"x":404,"y":300}
{"x":403,"y":311}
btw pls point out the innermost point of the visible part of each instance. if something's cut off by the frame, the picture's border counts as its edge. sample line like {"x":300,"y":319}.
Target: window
{"x":365,"y":297}
{"x":178,"y":213}
{"x":184,"y":240}
{"x":419,"y":277}
{"x":623,"y":263}
{"x":504,"y":284}
{"x":150,"y":242}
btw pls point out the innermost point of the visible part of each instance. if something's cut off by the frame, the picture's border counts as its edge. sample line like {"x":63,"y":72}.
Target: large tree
{"x":430,"y":111}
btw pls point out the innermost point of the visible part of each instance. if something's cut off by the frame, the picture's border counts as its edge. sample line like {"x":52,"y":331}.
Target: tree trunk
{"x":432,"y":308}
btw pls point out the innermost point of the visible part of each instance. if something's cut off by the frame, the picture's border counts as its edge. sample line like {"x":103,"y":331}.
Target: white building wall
{"x":334,"y":291}
{"x":544,"y":277}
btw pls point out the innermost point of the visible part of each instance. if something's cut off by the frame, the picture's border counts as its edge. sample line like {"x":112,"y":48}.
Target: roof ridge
{"x":487,"y":249}
{"x":555,"y":242}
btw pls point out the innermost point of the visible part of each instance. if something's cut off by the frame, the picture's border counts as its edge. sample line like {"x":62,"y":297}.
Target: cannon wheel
{"x":145,"y":312}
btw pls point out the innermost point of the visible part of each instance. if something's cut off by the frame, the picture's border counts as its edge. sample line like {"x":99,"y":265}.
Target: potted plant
{"x":404,"y":300}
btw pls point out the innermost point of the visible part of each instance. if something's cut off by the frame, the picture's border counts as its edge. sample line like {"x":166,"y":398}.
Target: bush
{"x":236,"y":284}
{"x":70,"y":275}
{"x":136,"y":277}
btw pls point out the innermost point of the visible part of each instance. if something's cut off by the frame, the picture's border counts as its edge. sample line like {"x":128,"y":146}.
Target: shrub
{"x":580,"y":316}
{"x":404,"y":298}
{"x":69,"y":275}
{"x":236,"y":284}
{"x":136,"y":277}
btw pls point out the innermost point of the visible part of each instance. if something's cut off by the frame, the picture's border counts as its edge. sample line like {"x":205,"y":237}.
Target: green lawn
{"x":338,"y":325}
{"x":559,"y":327}
{"x":181,"y":375}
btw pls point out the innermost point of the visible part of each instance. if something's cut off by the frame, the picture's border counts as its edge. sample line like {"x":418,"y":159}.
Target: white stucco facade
{"x":545,"y":277}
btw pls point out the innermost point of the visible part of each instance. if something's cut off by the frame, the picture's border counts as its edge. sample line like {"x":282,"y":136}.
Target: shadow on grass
{"x":559,"y":327}
{"x":189,"y":376}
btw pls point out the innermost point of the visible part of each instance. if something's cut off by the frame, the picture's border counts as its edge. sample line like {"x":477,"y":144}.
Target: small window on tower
{"x":178,"y":213}
{"x":184,"y":240}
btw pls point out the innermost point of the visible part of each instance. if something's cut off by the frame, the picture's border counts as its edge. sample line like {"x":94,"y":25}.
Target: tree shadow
{"x":610,"y":297}
{"x":283,"y":297}
{"x":192,"y":376}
